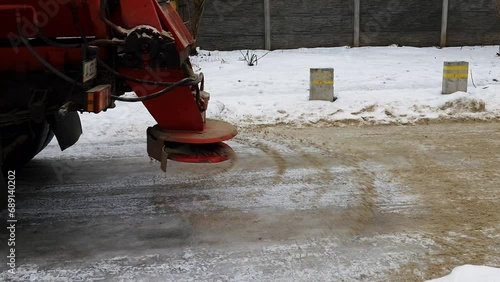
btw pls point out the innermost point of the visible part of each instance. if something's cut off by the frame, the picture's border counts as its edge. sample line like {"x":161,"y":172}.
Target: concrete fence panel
{"x":232,"y":24}
{"x":314,"y":23}
{"x":403,"y":22}
{"x":473,"y":22}
{"x":241,"y":24}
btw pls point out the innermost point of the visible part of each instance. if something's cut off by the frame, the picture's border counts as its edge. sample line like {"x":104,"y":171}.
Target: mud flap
{"x":67,"y":128}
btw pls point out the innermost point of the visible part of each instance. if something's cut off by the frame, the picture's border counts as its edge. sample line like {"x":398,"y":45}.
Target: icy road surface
{"x":382,"y":203}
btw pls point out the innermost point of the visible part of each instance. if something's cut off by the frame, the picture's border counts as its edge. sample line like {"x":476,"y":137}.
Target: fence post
{"x":267,"y":24}
{"x":357,"y":11}
{"x":444,"y":23}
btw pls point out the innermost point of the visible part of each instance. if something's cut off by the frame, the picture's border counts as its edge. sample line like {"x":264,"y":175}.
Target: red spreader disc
{"x":199,"y":153}
{"x":214,"y":131}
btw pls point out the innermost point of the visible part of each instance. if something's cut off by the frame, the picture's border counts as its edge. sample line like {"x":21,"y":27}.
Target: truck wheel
{"x":23,"y":142}
{"x":19,"y":145}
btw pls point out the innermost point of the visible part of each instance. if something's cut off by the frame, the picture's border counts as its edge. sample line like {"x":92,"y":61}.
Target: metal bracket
{"x":156,"y":149}
{"x":164,"y":158}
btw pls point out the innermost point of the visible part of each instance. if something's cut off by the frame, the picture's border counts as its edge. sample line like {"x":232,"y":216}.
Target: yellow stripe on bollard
{"x":456,"y":68}
{"x":323,"y":74}
{"x":456,"y":75}
{"x":322,"y":82}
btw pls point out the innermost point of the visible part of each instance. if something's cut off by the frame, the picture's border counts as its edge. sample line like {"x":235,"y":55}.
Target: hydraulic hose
{"x":42,"y":60}
{"x":184,"y":82}
{"x":102,"y":14}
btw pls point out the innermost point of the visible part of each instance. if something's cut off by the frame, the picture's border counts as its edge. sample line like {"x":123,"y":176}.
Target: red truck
{"x":62,"y":57}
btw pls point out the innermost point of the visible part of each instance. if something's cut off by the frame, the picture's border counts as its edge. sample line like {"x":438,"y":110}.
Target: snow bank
{"x":471,"y":273}
{"x":375,"y":85}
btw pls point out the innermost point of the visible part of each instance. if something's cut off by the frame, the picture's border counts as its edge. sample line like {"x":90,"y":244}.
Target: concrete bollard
{"x":321,"y":87}
{"x":455,"y":77}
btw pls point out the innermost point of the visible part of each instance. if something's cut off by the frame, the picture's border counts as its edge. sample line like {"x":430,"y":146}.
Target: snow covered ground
{"x":373,"y":84}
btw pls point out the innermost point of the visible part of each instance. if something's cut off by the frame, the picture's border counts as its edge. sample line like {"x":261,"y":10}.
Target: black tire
{"x":24,"y":142}
{"x":19,"y":145}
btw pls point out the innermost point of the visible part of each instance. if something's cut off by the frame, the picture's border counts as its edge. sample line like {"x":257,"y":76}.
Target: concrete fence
{"x":281,"y":24}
